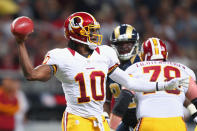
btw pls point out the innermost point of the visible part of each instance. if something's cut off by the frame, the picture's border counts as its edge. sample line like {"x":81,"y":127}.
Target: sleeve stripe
{"x":54,"y":68}
{"x":46,"y":59}
{"x":112,"y":68}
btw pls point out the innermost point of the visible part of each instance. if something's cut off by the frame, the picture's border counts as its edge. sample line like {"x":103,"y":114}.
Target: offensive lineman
{"x":161,"y":110}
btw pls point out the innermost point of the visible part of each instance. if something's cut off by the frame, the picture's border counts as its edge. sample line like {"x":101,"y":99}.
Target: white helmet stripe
{"x":152,"y":46}
{"x":159,"y":46}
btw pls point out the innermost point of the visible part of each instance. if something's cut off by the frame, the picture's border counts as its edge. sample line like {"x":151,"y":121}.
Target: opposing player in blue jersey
{"x":125,"y":41}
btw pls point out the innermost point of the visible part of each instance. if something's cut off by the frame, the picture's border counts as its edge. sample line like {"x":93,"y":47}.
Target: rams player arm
{"x":123,"y":102}
{"x":192,"y":96}
{"x":40,"y":73}
{"x":120,"y":108}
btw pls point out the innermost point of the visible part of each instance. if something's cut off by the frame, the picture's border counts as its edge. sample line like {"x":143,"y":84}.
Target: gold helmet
{"x":125,"y":34}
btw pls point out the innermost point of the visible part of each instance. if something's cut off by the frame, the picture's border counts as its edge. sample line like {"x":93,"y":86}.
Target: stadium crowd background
{"x":174,"y":21}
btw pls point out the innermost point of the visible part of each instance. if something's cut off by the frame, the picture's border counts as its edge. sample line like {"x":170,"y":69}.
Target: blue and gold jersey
{"x":129,"y":117}
{"x":133,"y":60}
{"x":115,"y":87}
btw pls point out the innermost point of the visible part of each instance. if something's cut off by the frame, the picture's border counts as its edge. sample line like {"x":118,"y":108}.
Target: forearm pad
{"x":121,"y":106}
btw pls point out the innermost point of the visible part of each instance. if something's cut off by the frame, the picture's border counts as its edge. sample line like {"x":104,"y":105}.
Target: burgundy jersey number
{"x":82,"y":86}
{"x":168,"y":70}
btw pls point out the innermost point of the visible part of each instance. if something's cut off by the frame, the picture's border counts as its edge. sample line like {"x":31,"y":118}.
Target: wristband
{"x":157,"y":89}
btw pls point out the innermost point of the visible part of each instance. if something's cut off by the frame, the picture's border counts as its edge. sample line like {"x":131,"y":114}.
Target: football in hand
{"x":22,"y":26}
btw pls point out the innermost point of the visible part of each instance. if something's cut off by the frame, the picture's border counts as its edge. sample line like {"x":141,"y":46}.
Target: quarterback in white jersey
{"x":83,"y":68}
{"x":83,"y":79}
{"x":156,"y":111}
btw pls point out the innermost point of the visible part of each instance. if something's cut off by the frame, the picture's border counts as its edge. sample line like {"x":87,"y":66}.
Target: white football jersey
{"x":83,"y":79}
{"x":160,"y":104}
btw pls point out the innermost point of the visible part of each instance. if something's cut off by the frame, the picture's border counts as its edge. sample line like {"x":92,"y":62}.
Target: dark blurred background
{"x":174,"y":21}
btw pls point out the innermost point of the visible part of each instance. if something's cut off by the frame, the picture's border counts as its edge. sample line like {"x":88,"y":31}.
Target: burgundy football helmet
{"x":82,"y":27}
{"x":121,"y":35}
{"x":154,"y":49}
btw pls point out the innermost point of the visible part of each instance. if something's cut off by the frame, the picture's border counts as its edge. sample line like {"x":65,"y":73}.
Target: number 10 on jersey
{"x":82,"y":86}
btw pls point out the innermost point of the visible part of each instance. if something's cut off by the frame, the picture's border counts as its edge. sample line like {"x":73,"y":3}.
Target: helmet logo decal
{"x":76,"y":22}
{"x":82,"y":28}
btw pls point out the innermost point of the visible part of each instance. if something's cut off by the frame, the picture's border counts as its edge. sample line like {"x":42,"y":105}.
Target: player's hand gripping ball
{"x":22,"y":26}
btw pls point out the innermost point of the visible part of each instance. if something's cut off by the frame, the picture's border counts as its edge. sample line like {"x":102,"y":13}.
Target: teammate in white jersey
{"x":83,"y":68}
{"x":161,"y":110}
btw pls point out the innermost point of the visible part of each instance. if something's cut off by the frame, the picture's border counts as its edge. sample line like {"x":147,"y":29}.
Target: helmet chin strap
{"x":78,"y":40}
{"x":91,"y":46}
